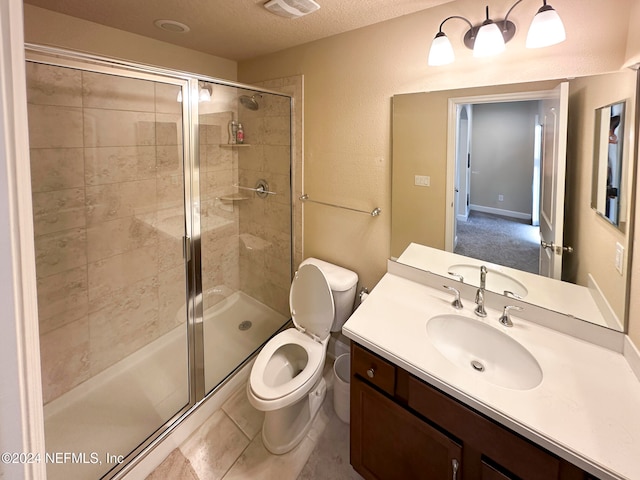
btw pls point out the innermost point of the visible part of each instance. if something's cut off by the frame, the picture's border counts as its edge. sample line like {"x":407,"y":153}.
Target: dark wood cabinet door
{"x":389,"y":443}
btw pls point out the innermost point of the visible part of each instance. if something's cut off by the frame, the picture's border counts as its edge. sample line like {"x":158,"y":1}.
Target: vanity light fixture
{"x":204,"y":95}
{"x":490,"y":37}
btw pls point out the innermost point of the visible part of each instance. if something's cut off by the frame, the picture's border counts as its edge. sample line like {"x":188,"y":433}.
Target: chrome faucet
{"x":505,"y":318}
{"x":480,"y":311}
{"x":456,"y":303}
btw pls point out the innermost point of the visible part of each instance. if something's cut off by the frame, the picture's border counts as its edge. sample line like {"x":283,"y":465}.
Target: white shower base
{"x":110,"y":414}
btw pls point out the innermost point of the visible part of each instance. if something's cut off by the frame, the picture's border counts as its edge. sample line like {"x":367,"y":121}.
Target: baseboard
{"x":338,"y":345}
{"x":501,"y":212}
{"x":632,"y":356}
{"x":605,"y":308}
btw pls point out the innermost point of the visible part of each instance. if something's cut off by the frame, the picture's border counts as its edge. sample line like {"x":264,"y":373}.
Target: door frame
{"x":452,"y":134}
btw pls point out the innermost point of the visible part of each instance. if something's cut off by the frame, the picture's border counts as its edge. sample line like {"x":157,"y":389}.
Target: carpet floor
{"x":505,"y":241}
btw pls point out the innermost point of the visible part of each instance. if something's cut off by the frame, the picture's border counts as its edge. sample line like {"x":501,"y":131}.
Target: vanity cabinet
{"x":403,"y":428}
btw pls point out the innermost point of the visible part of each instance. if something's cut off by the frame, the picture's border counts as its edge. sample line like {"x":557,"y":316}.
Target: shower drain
{"x":477,"y":366}
{"x":246,"y":325}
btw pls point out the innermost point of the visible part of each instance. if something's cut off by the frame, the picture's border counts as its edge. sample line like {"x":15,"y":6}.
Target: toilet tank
{"x":343,"y":285}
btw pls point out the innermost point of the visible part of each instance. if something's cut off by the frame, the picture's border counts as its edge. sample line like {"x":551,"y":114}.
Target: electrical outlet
{"x":619,"y":257}
{"x":501,"y":198}
{"x":422,"y":181}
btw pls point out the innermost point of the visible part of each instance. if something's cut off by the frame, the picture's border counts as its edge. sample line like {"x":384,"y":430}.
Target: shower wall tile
{"x":276,"y":159}
{"x":64,"y":358}
{"x":58,"y":210}
{"x":117,"y":93}
{"x":169,"y":247}
{"x":49,"y":85}
{"x":215,"y":157}
{"x":62,"y":298}
{"x":172,"y":297}
{"x":169,"y":160}
{"x":56,"y":169}
{"x":170,"y":191}
{"x":118,"y":128}
{"x":60,"y":251}
{"x":109,"y":202}
{"x":167,"y":98}
{"x":128,"y":322}
{"x":54,"y":126}
{"x":107,"y":239}
{"x":114,"y":276}
{"x":106,"y":165}
{"x":169,"y":129}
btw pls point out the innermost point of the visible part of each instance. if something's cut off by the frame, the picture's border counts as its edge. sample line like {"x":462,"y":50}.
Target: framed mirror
{"x":607,"y":189}
{"x":427,"y":131}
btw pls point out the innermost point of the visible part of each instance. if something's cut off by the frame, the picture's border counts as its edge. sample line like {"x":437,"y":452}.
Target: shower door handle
{"x":186,"y":248}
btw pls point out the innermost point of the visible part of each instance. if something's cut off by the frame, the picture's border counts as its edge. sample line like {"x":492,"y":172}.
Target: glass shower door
{"x":109,"y":221}
{"x":245,"y":191}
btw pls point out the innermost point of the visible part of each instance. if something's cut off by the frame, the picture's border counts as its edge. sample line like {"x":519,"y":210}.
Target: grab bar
{"x":374,"y":213}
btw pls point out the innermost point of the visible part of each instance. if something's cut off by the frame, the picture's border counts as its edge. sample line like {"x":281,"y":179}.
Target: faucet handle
{"x":505,"y":318}
{"x":511,"y":294}
{"x":457,"y":276}
{"x":456,"y":303}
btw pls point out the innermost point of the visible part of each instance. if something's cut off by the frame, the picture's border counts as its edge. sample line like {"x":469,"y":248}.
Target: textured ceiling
{"x":234,"y":29}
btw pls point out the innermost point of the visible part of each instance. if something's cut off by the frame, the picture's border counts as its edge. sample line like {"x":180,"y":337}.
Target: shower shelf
{"x":234,"y":145}
{"x":233,"y":197}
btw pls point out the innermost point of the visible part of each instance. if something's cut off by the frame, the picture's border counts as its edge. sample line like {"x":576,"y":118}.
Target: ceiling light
{"x":172,"y":26}
{"x":291,"y":8}
{"x":490,"y":37}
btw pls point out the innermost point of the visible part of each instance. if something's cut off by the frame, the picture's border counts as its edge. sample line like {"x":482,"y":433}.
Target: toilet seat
{"x":294,"y":387}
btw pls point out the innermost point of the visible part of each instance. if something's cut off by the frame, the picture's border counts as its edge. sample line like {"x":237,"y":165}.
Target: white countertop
{"x":586,"y":409}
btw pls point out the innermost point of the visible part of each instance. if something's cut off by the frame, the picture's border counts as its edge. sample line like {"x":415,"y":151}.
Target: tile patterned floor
{"x":228,"y":446}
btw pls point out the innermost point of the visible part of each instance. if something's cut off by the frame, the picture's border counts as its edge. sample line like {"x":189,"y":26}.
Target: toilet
{"x":286,"y":379}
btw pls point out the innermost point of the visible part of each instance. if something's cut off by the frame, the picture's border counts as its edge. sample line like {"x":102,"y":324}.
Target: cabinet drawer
{"x":373,"y":369}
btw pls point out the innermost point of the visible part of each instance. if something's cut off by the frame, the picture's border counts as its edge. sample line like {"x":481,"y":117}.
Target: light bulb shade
{"x":489,"y":40}
{"x":546,"y":29}
{"x":205,"y":95}
{"x":441,"y":52}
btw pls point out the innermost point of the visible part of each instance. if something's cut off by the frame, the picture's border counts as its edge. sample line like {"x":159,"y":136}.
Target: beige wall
{"x":45,"y":27}
{"x":350,"y":78}
{"x":502,"y":147}
{"x":593,"y":238}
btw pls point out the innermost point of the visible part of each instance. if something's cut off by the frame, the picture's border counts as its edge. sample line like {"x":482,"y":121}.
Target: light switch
{"x":422,"y":180}
{"x":619,"y":257}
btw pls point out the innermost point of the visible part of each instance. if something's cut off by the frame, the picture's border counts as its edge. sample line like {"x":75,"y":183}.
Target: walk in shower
{"x":163,"y":246}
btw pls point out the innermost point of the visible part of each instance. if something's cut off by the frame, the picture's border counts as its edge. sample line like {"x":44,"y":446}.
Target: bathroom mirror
{"x":608,"y":167}
{"x":436,"y":174}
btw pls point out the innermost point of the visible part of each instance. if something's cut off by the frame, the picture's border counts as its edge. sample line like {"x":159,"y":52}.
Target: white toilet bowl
{"x":286,"y":379}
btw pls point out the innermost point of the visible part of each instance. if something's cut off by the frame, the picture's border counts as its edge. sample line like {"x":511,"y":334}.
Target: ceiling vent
{"x":291,"y":8}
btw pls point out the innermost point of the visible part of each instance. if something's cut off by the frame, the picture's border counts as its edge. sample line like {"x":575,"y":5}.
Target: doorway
{"x":496,"y":182}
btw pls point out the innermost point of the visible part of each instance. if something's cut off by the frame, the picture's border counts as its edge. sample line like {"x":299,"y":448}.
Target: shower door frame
{"x":192,"y":253}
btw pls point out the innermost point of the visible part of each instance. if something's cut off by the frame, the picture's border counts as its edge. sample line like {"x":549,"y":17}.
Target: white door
{"x":554,"y":154}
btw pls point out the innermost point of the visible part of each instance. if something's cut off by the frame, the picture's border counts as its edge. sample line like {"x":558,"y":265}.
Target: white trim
{"x":21,"y":414}
{"x":501,"y":212}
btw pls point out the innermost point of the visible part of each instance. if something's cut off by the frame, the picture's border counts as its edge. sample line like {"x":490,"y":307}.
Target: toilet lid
{"x":311,"y":301}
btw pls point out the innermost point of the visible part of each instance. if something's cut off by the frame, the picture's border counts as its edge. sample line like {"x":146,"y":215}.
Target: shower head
{"x":250,"y":102}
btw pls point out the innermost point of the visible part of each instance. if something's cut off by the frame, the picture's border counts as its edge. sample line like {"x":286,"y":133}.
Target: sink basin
{"x":496,"y":280}
{"x":483,"y":350}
